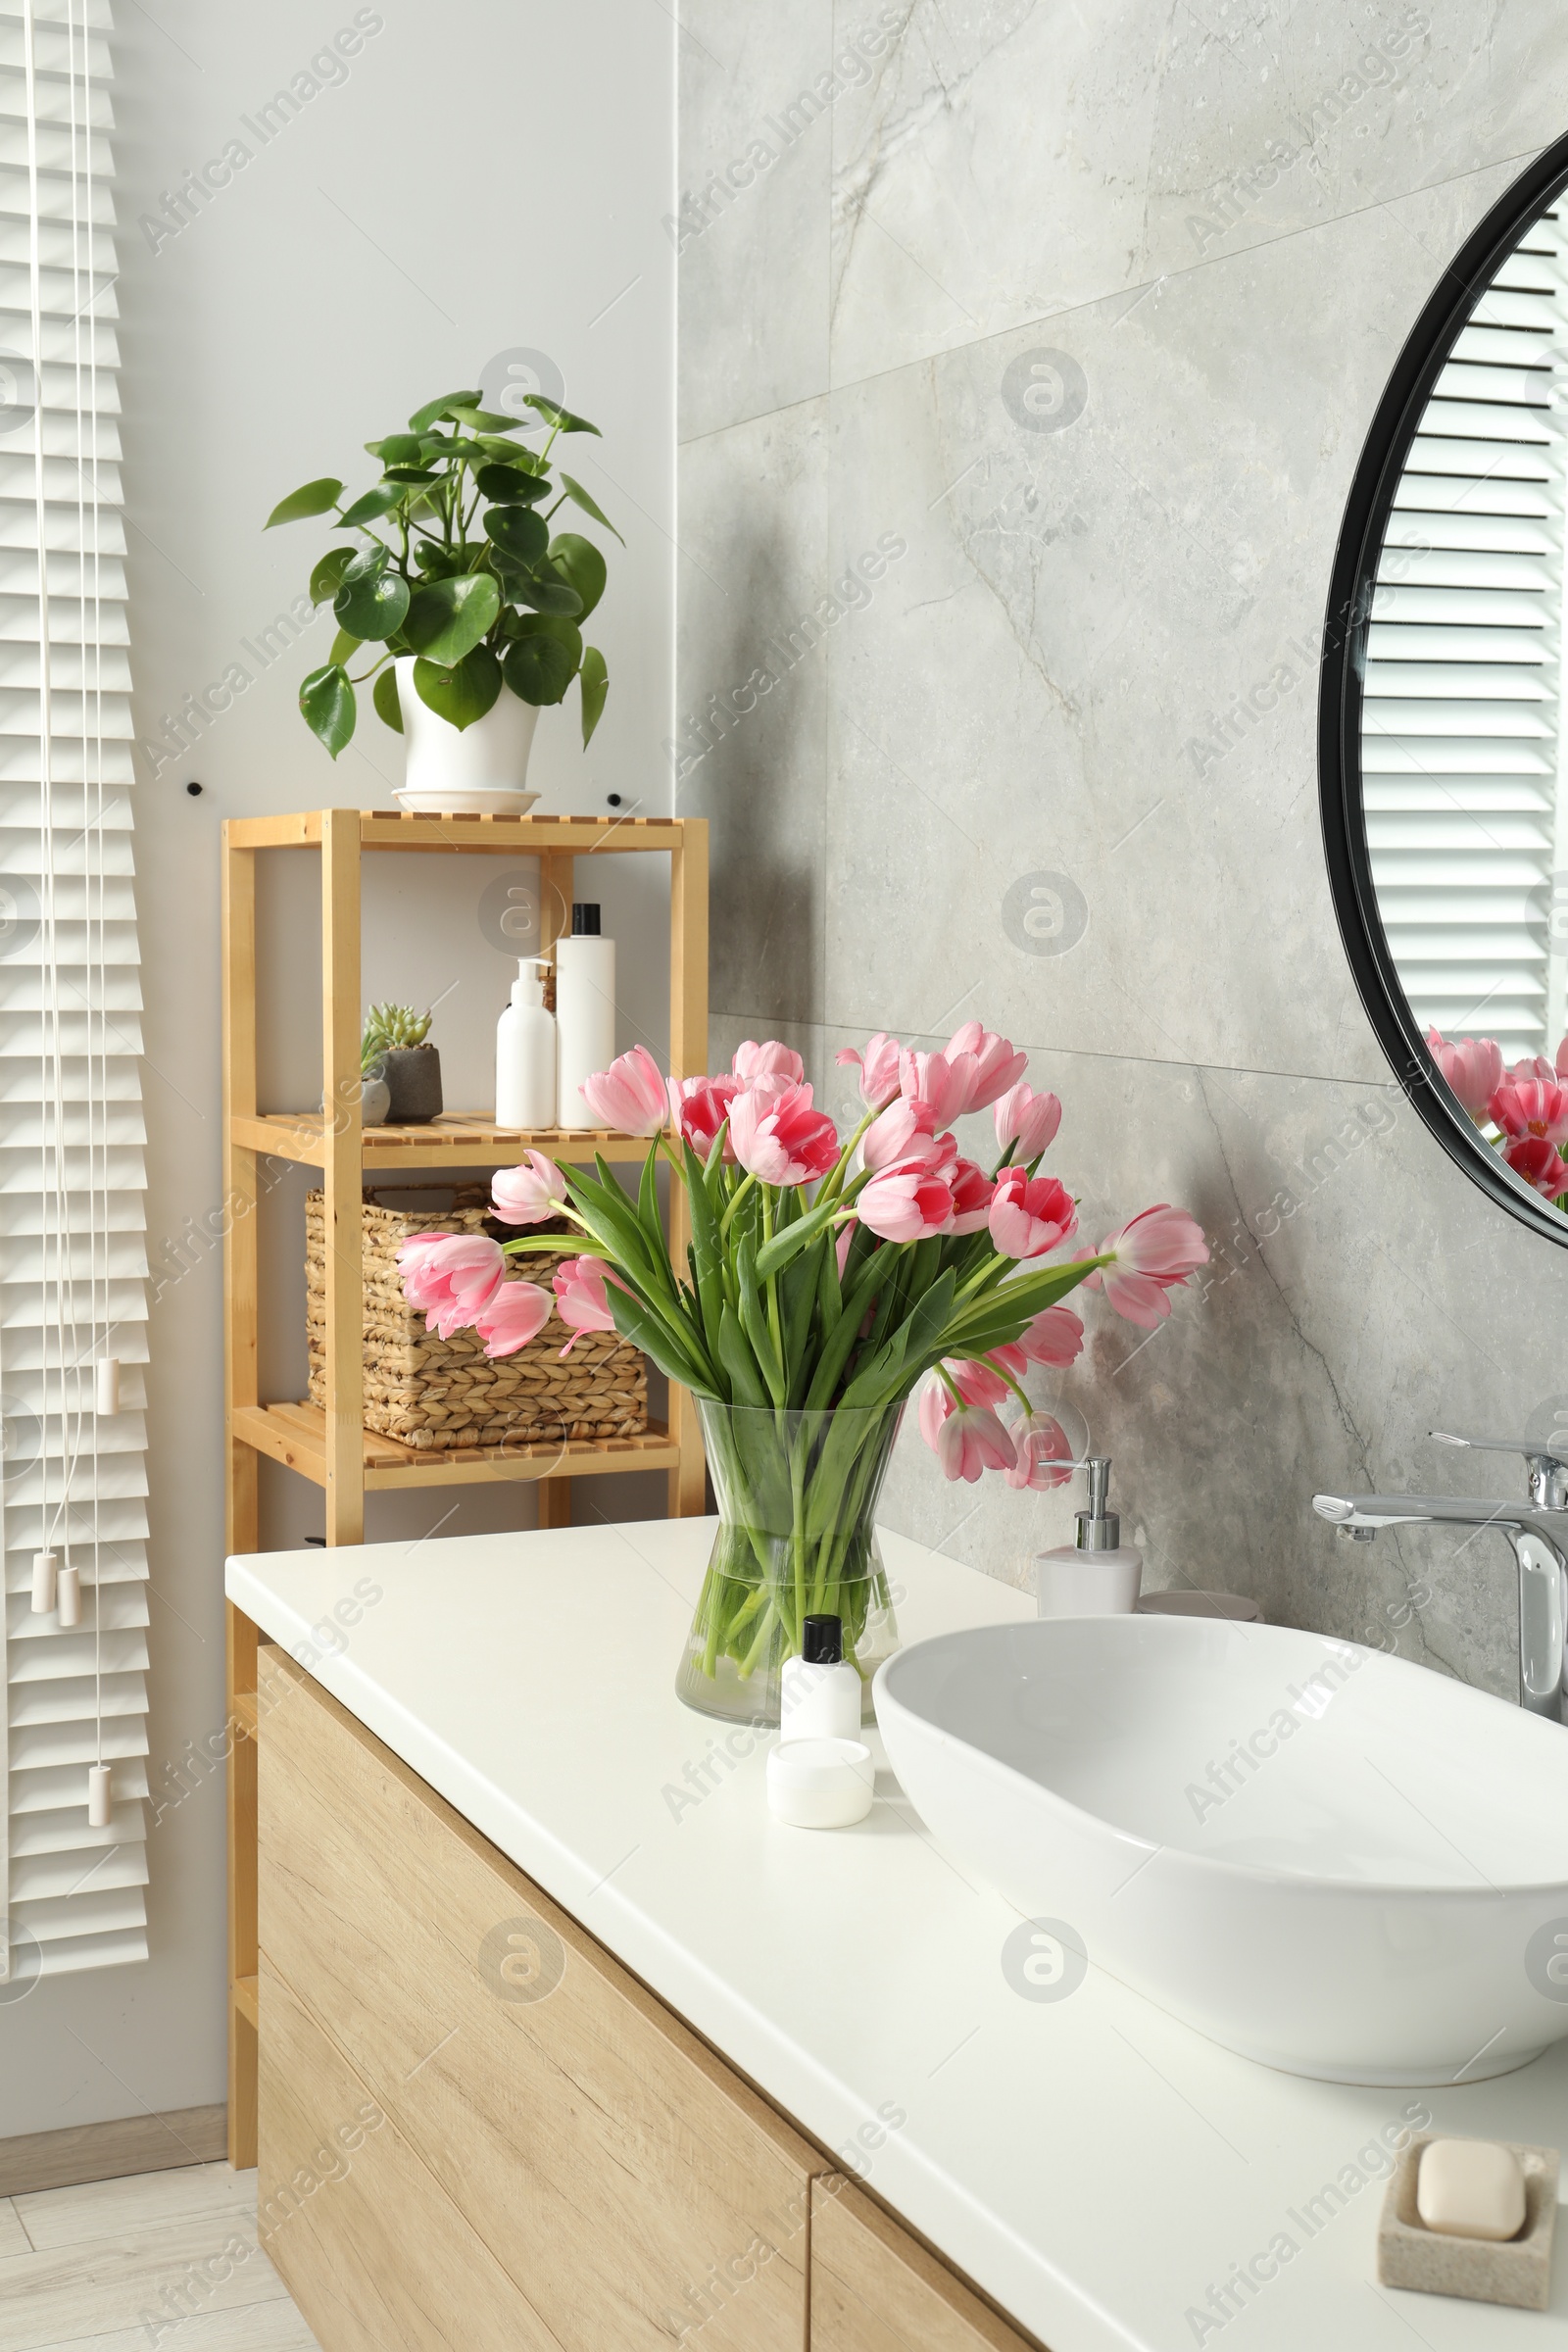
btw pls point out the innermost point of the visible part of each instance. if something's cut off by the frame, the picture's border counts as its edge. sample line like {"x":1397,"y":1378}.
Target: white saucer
{"x":497,"y":802}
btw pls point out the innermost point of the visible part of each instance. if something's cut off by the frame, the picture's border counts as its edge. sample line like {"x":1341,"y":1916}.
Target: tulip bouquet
{"x":827,"y":1278}
{"x":1522,"y":1110}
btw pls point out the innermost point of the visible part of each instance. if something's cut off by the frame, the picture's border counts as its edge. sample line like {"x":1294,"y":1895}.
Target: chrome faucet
{"x":1538,"y":1531}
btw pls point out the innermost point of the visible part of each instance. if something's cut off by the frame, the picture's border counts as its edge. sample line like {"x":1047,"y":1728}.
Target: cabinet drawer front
{"x":374,"y":2252}
{"x":629,"y":2184}
{"x":874,"y":2288}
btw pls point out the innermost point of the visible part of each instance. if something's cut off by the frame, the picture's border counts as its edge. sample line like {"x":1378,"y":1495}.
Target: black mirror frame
{"x":1344,"y":670}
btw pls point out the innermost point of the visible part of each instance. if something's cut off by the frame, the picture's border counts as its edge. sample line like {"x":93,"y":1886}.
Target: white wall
{"x":488,"y":176}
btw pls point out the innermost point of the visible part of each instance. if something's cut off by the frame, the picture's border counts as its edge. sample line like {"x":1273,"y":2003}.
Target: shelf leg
{"x":554,"y":1501}
{"x":341,"y":1180}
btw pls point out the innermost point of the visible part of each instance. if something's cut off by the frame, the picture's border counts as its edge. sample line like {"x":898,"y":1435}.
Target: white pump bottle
{"x":525,"y":1054}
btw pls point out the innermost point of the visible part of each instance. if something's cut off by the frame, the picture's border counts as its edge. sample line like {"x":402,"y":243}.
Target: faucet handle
{"x":1548,"y":1468}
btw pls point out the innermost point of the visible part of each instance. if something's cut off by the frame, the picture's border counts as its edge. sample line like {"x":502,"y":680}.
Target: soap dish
{"x":1517,"y":2271}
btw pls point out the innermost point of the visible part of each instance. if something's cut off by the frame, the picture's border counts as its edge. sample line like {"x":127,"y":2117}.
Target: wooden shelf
{"x":458,"y":1138}
{"x":296,"y":1436}
{"x":513,"y":836}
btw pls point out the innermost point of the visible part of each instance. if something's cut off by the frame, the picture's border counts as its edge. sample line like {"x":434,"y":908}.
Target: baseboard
{"x":139,"y":2143}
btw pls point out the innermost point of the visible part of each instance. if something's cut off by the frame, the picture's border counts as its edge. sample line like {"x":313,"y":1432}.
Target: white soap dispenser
{"x":1098,"y":1575}
{"x":821,"y":1695}
{"x":585,"y":1013}
{"x":525,"y":1053}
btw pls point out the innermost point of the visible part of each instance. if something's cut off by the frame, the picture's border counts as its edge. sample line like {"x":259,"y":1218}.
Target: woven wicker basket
{"x":430,"y":1393}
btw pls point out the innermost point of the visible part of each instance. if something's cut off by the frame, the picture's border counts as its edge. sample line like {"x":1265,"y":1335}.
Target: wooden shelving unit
{"x":333,"y":1448}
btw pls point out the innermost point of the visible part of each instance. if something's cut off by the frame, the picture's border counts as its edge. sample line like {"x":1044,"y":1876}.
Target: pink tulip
{"x":1026,"y":1120}
{"x":1472,"y":1067}
{"x":516,"y":1314}
{"x":1531,"y":1107}
{"x":1540,"y":1164}
{"x":450,"y":1277}
{"x":841,"y":1248}
{"x":878,"y":1066}
{"x":580,"y":1302}
{"x":1030,"y":1214}
{"x":931,"y":1078}
{"x":778,"y":1137}
{"x":976,"y":1381}
{"x":1041,"y":1455}
{"x":906,"y":1203}
{"x":993,"y":1064}
{"x":902,"y":1132}
{"x":1153,"y":1253}
{"x":698,"y":1108}
{"x":1562,"y":1061}
{"x":1054,"y":1337}
{"x":629,"y":1096}
{"x":529,"y":1194}
{"x":971,"y":1440}
{"x":1534,"y":1066}
{"x":972,"y":1190}
{"x":772,"y":1060}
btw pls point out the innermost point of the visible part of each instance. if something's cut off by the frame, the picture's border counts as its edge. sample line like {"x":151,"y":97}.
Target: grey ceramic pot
{"x":412,"y":1074}
{"x":375,"y":1099}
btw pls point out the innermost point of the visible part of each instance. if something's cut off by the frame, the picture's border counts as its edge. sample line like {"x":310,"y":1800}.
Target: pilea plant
{"x":455,"y":564}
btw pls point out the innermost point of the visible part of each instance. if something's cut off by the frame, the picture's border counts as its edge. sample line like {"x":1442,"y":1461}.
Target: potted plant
{"x":828,"y":1279}
{"x":464,"y":606}
{"x":395,"y":1049}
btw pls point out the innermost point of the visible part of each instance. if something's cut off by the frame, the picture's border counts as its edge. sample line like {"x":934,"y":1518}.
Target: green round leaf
{"x":379,"y":500}
{"x":463,"y":693}
{"x":538,"y":669}
{"x":594,"y":688}
{"x":397,"y":449}
{"x":581,"y":565}
{"x":372,"y":607}
{"x":328,"y":577}
{"x":384,"y":696}
{"x":518,"y":532}
{"x":403,"y":476}
{"x":562,"y":418}
{"x":326,"y":703}
{"x":485,"y":421}
{"x":446,"y":619}
{"x":345,"y":645}
{"x":547,"y":625}
{"x":545,"y":591}
{"x":508,"y":485}
{"x":314,"y":498}
{"x":438,"y":562}
{"x":366,"y":563}
{"x":423,"y":419}
{"x":581,"y":498}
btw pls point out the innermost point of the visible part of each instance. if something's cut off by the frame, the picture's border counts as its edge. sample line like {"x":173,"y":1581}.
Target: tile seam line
{"x":1098,"y":301}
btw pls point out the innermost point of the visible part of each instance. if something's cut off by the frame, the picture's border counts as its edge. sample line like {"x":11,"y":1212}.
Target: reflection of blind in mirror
{"x":1460,"y":732}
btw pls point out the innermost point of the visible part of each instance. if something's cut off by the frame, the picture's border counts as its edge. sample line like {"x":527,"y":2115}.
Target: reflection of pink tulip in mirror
{"x":1522,"y":1111}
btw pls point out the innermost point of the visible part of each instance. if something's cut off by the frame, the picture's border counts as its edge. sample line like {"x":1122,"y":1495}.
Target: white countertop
{"x":1094,"y":2165}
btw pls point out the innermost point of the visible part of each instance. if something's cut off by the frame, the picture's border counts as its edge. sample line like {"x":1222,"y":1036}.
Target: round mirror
{"x":1444,"y":744}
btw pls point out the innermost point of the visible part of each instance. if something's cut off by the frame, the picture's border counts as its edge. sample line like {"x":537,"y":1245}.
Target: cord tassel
{"x":100,"y":1796}
{"x":44,"y":1565}
{"x":68,"y":1594}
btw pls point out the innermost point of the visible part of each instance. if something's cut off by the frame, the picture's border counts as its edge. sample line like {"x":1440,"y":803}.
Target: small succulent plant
{"x":389,"y":1027}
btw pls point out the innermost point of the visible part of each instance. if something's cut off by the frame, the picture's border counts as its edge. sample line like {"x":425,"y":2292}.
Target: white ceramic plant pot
{"x":477,"y":770}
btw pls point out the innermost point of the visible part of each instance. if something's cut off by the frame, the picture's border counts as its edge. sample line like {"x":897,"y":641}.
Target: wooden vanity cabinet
{"x":478,"y":2131}
{"x":874,"y":2288}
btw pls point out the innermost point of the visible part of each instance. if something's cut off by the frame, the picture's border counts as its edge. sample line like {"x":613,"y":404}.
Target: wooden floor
{"x":162,"y":2259}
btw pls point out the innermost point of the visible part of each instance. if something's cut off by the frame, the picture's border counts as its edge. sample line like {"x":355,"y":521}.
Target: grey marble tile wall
{"x":1026,"y":357}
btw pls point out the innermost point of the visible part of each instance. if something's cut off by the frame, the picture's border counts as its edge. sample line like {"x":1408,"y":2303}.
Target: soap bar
{"x":1470,"y":2188}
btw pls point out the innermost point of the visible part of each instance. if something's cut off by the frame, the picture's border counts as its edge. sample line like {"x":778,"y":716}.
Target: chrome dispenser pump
{"x":1099,"y":1528}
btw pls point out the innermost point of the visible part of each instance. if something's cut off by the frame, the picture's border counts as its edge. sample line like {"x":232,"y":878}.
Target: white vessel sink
{"x":1379,"y":1895}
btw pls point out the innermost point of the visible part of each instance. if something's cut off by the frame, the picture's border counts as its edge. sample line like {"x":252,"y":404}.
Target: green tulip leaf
{"x":397,"y":449}
{"x":345,"y":645}
{"x":447,"y":619}
{"x":377,"y":502}
{"x":518,"y":532}
{"x":313,"y":498}
{"x":579,"y":497}
{"x":595,"y":689}
{"x":562,"y":418}
{"x":328,"y":577}
{"x":582,"y":565}
{"x":422,"y":418}
{"x":538,"y":669}
{"x":508,"y":485}
{"x":326,"y":704}
{"x":374,"y":606}
{"x":463,"y":692}
{"x":385,"y":698}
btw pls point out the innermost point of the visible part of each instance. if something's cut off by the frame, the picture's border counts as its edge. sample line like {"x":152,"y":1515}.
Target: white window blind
{"x":72,"y":1695}
{"x":1460,"y":737}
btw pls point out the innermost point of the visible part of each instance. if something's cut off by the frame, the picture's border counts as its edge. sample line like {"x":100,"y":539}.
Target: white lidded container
{"x":585,"y":1013}
{"x":525,"y":1053}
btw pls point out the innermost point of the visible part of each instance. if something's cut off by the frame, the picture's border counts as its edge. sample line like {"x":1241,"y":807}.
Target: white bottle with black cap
{"x":1098,"y":1575}
{"x":821,"y":1695}
{"x":585,"y":1013}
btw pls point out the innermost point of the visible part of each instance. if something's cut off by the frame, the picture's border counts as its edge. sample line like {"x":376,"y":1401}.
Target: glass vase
{"x":797,"y":1495}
